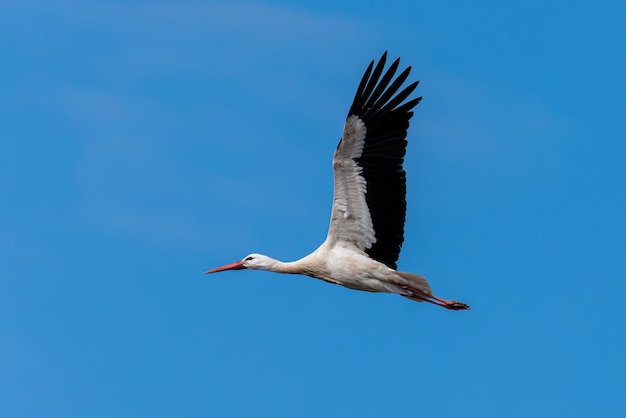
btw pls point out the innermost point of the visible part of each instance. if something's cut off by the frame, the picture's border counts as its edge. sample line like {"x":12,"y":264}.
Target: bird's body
{"x":369,"y":206}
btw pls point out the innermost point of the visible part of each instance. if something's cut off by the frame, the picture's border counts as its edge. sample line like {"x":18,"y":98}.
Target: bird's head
{"x":252,"y":261}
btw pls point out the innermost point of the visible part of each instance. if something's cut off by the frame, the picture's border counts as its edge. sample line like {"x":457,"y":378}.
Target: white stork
{"x":369,"y":205}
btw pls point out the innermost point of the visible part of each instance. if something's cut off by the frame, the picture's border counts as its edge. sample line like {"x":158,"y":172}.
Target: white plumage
{"x":351,"y":221}
{"x":369,"y":205}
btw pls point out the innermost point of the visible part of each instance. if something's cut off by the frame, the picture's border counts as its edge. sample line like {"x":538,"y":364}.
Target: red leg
{"x":444,"y":303}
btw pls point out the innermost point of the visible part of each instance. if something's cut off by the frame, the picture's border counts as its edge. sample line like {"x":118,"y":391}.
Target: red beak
{"x":237,"y":265}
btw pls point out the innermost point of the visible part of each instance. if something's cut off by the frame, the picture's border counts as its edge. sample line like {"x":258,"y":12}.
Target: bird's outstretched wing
{"x":369,"y":205}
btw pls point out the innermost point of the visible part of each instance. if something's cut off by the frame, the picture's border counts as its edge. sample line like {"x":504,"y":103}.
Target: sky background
{"x":144,"y":142}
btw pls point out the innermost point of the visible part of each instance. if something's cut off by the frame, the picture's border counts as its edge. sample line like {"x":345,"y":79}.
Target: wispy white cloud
{"x":139,"y":85}
{"x":164,"y":35}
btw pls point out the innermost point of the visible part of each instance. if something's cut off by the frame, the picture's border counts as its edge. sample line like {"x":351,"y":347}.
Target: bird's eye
{"x":249,"y":258}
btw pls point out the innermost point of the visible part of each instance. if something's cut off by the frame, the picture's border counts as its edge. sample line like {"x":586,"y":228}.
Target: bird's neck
{"x":277,"y":266}
{"x":308,"y":266}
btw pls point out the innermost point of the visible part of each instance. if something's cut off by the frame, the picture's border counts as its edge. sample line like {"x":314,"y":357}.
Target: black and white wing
{"x":369,"y":205}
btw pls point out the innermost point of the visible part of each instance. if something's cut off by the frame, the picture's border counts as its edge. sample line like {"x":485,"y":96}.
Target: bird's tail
{"x":417,"y":281}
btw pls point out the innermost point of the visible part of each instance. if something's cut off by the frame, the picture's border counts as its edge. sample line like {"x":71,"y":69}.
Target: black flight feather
{"x":379,"y":105}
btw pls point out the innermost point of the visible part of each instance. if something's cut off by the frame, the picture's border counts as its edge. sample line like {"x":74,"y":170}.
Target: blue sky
{"x":144,"y":142}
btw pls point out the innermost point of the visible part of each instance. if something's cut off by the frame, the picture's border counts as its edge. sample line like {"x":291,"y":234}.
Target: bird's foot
{"x":455,"y":306}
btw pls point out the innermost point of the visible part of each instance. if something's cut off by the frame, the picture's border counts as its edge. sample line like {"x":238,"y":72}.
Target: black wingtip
{"x":379,"y":92}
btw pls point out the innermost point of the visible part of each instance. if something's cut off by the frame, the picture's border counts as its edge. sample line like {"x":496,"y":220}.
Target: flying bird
{"x":369,"y":204}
